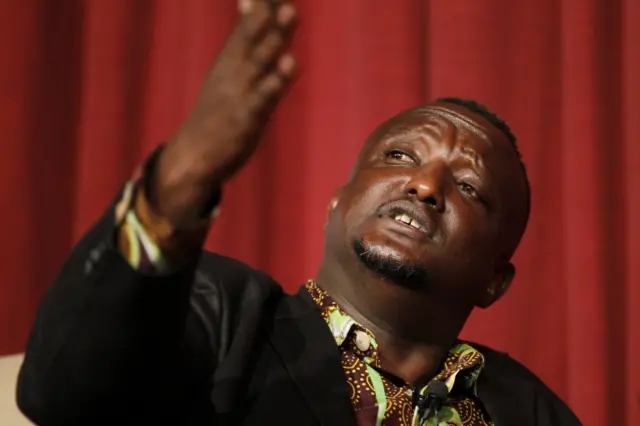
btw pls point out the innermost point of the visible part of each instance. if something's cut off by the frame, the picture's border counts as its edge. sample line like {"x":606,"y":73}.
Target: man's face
{"x":436,"y":203}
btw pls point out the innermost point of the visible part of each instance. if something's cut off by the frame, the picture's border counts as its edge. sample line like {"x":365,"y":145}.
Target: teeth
{"x":414,"y":224}
{"x":405,"y":218}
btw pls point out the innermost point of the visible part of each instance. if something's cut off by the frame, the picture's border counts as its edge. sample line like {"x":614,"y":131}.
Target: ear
{"x":335,"y":199}
{"x":497,"y":288}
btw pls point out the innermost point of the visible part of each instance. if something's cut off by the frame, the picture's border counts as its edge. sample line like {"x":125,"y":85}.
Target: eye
{"x":397,"y":155}
{"x":469,"y":189}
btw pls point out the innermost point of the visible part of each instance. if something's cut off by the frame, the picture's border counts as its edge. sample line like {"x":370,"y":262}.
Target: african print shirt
{"x":378,"y":398}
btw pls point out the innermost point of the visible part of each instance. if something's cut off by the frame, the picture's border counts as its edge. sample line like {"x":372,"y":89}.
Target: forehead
{"x":451,"y":124}
{"x":459,"y":127}
{"x":444,"y":123}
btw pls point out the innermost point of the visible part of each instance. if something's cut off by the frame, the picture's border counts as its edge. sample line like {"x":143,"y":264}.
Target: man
{"x":142,"y":327}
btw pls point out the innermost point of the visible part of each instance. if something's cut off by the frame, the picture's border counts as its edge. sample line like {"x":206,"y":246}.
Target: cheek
{"x":346,"y":218}
{"x":362,"y":203}
{"x":468,"y":232}
{"x":354,"y":217}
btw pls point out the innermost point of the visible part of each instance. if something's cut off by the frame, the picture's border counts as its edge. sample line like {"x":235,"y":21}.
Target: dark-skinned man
{"x":143,"y":327}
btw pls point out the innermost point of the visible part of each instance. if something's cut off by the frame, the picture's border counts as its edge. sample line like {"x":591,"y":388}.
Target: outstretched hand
{"x":240,"y":91}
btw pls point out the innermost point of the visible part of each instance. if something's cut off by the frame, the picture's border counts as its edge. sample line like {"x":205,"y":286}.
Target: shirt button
{"x":363,"y":342}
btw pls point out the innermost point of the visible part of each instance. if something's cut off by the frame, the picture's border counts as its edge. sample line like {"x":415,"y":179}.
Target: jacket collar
{"x":309,"y":352}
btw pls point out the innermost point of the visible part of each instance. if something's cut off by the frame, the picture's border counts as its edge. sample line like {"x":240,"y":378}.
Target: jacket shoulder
{"x":502,"y":373}
{"x":234,"y":276}
{"x":231,"y":299}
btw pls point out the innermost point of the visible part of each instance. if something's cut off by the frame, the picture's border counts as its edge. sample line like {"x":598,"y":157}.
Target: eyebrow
{"x":472,"y":156}
{"x":432,"y":128}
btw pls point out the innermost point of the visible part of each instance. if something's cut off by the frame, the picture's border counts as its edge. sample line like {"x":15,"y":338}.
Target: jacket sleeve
{"x":111,"y":344}
{"x":117,"y":338}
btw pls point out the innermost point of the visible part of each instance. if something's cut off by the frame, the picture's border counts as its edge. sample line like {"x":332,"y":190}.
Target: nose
{"x":426,"y":185}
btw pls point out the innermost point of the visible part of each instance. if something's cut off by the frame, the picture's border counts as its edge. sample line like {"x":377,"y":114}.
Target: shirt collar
{"x":461,"y":367}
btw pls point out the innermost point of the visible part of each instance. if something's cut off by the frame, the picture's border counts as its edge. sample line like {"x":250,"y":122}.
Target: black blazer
{"x":214,"y":343}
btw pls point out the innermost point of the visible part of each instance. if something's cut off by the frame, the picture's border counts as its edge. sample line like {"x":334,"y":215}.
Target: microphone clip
{"x":428,"y":402}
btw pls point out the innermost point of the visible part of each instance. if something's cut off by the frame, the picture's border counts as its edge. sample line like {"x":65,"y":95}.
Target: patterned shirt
{"x":381,"y":399}
{"x":150,"y":244}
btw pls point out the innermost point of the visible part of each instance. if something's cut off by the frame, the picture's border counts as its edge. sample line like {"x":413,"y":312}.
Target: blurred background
{"x":88,"y":88}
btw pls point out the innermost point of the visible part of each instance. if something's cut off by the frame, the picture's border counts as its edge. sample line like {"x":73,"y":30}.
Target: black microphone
{"x":430,"y":400}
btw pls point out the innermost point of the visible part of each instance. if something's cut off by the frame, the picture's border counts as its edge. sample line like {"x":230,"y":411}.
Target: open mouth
{"x":407,"y":219}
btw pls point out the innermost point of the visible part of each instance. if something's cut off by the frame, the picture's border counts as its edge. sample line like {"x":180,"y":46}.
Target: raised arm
{"x":116,"y":339}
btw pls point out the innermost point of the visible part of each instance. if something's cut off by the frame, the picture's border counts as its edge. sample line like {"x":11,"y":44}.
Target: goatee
{"x":390,"y":267}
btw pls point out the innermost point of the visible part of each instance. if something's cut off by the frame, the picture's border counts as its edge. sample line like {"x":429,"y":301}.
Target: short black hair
{"x":501,"y":125}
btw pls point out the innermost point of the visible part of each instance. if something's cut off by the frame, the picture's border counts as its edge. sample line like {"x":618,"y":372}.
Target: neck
{"x":414,"y":331}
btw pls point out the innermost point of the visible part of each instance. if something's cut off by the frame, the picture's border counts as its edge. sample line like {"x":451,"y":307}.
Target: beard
{"x":386,"y":264}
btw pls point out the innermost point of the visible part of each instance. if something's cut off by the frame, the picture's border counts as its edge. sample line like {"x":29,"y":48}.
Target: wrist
{"x":177,"y":192}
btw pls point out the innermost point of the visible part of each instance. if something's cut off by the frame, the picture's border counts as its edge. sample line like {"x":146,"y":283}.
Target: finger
{"x":271,"y":47}
{"x":287,"y":66}
{"x":286,"y":15}
{"x":267,"y":51}
{"x":244,"y":6}
{"x":256,"y":17}
{"x":271,"y":87}
{"x":266,"y":96}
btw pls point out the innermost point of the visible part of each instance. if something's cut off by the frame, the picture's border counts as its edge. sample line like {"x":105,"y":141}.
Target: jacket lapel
{"x":312,"y":358}
{"x":504,"y":402}
{"x":310,"y":354}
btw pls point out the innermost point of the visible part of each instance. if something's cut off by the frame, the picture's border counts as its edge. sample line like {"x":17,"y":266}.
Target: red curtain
{"x":87,"y":88}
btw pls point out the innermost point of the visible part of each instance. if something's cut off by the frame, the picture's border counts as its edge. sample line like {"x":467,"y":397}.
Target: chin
{"x":390,"y":265}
